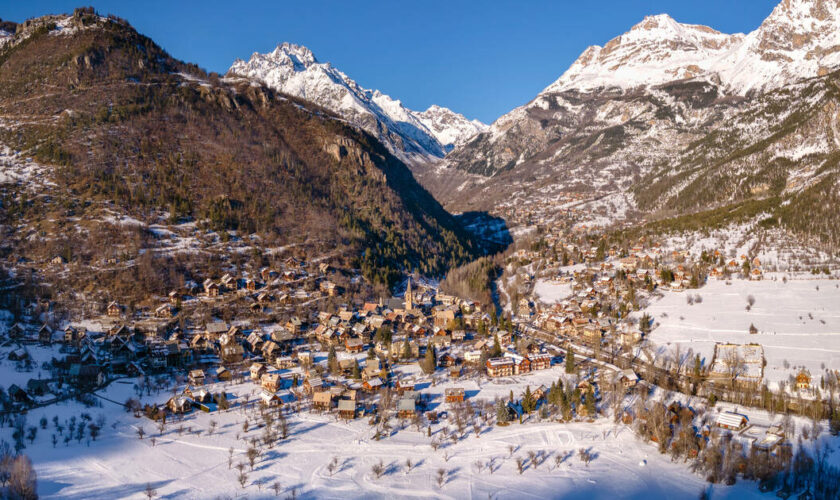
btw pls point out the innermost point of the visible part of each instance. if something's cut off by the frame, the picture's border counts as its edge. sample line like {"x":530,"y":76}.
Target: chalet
{"x":211,"y":289}
{"x":230,"y":351}
{"x":18,"y":355}
{"x":257,"y":370}
{"x":313,"y":384}
{"x":404,"y":384}
{"x":121,"y":331}
{"x":196,"y":377}
{"x":372,"y":384}
{"x":304,"y":357}
{"x":45,"y":335}
{"x":628,"y":378}
{"x":179,"y":405}
{"x":255,"y":341}
{"x":270,"y":399}
{"x":329,"y":288}
{"x":540,"y":361}
{"x":472,"y":357}
{"x":322,"y":401}
{"x":174,"y":297}
{"x":250,"y":285}
{"x":442,"y":317}
{"x":284,"y":362}
{"x":459,"y":335}
{"x":755,"y":274}
{"x":406,"y":408}
{"x":266,"y":273}
{"x":215,"y":329}
{"x":455,"y":395}
{"x":447,"y":360}
{"x":37,"y":387}
{"x":271,"y":382}
{"x":456,"y":371}
{"x":731,"y":420}
{"x":354,"y":345}
{"x":500,"y":367}
{"x":18,"y":395}
{"x":72,"y":335}
{"x":223,"y":374}
{"x":803,"y":380}
{"x":199,"y":343}
{"x":347,"y":409}
{"x":114,"y":310}
{"x":294,"y":325}
{"x":165,"y":311}
{"x":228,"y":281}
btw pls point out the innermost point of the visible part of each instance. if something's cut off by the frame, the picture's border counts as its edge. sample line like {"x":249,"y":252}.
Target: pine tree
{"x":497,"y":347}
{"x":570,"y":360}
{"x":356,"y":374}
{"x":501,"y":412}
{"x":589,"y":403}
{"x":332,"y":361}
{"x":406,"y":350}
{"x":528,"y":403}
{"x":430,"y":360}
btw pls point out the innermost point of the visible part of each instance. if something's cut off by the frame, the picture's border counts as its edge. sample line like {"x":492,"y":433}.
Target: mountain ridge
{"x":411,"y":135}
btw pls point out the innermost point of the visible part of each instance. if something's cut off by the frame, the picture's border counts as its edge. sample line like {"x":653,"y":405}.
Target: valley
{"x":275,"y":282}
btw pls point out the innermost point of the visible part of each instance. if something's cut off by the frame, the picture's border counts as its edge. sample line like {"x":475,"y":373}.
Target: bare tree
{"x":532,"y":458}
{"x":333,"y":466}
{"x":22,"y":480}
{"x":585,"y":456}
{"x":479,"y":466}
{"x":441,"y":477}
{"x":150,"y":491}
{"x":253,"y":454}
{"x":141,"y":432}
{"x":520,"y":464}
{"x":378,"y":469}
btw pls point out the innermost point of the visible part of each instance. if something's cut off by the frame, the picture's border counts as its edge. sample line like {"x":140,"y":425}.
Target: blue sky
{"x":480,"y":58}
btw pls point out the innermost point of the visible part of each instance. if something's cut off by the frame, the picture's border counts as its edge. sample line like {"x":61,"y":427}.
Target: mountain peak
{"x":656,"y":50}
{"x":412,"y":136}
{"x":298,"y":56}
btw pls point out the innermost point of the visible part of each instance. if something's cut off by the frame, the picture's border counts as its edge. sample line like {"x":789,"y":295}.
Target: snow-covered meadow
{"x":798,"y":321}
{"x":190,"y":464}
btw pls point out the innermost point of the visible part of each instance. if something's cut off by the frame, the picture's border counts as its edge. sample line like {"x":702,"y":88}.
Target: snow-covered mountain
{"x":800,"y":39}
{"x":411,"y":135}
{"x":636,"y":104}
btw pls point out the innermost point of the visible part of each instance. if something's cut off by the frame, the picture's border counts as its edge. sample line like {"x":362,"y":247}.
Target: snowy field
{"x":798,"y":322}
{"x":550,"y":292}
{"x":192,"y":465}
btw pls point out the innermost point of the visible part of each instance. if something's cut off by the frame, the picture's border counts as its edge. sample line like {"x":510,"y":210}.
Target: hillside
{"x":415,"y":137}
{"x":123,"y":127}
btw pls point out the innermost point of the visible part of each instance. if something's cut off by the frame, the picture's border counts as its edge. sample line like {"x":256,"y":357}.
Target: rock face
{"x":410,"y":135}
{"x":638,"y":106}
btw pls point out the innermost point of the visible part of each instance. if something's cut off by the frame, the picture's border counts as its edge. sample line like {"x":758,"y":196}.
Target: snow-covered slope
{"x":800,"y":39}
{"x":411,"y":135}
{"x":656,"y":50}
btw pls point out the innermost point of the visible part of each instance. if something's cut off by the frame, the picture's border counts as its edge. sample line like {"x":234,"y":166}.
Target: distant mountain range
{"x":682,"y":117}
{"x":410,"y":135}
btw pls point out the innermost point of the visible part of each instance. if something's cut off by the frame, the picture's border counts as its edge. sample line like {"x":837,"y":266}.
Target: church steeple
{"x":409,"y":296}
